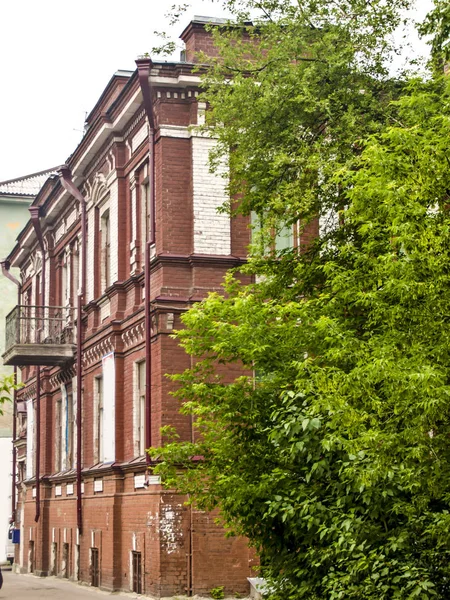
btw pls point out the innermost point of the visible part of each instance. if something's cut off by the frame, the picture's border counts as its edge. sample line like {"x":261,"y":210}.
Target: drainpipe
{"x":5,"y":266}
{"x":67,"y":183}
{"x":34,"y":211}
{"x":144,"y":66}
{"x":14,"y":465}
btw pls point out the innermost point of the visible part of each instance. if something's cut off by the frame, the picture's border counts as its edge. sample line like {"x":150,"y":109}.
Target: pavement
{"x":24,"y":587}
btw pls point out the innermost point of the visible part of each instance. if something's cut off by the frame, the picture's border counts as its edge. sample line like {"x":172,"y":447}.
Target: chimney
{"x":197,"y":39}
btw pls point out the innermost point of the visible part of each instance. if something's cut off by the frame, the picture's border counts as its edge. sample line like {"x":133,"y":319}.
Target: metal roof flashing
{"x":200,"y":20}
{"x":213,"y":20}
{"x":26,"y":186}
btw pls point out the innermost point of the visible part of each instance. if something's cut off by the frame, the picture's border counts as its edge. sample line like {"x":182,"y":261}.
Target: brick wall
{"x":194,"y":244}
{"x":197,"y":40}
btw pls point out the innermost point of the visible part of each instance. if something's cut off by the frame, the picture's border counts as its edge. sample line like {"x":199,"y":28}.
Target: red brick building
{"x":132,"y":217}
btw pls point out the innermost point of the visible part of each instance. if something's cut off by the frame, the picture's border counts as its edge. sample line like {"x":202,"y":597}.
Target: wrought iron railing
{"x":40,"y":325}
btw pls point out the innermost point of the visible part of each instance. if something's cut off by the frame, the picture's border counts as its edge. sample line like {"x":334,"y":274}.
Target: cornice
{"x":62,"y":377}
{"x":98,"y":350}
{"x":134,"y":335}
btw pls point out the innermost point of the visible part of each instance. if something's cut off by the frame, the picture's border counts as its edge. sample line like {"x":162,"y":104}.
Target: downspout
{"x":14,"y":465}
{"x":34,"y":211}
{"x":144,"y":66}
{"x":67,"y":183}
{"x":5,"y":266}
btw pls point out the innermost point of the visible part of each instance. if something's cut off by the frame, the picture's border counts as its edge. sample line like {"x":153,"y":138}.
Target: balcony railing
{"x":39,"y":335}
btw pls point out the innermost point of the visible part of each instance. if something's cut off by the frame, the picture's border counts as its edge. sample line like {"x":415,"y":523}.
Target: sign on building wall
{"x":109,"y":408}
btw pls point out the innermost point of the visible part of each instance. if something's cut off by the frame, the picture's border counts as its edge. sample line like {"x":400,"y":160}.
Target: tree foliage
{"x":7,"y":385}
{"x":308,"y":79}
{"x":326,"y":441}
{"x":437,"y":24}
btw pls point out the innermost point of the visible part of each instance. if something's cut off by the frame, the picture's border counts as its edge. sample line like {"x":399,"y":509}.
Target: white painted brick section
{"x":212,"y":234}
{"x":139,"y":137}
{"x":60,"y":232}
{"x":71,"y":218}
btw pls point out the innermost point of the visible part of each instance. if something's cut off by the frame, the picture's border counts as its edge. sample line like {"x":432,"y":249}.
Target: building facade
{"x":121,"y":241}
{"x":16,"y":196}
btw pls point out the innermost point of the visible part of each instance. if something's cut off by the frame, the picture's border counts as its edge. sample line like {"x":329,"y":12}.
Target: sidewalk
{"x":26,"y":587}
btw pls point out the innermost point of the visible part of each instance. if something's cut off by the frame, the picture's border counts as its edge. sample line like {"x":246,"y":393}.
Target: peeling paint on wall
{"x":168,"y":524}
{"x":170,"y":527}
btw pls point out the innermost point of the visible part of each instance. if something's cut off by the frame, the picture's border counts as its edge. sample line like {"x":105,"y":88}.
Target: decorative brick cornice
{"x":29,"y":392}
{"x":134,"y":335}
{"x":216,"y":260}
{"x":61,"y":377}
{"x":134,"y":123}
{"x":98,"y":350}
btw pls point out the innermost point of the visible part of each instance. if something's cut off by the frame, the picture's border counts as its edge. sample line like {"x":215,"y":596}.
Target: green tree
{"x":329,"y":449}
{"x":437,"y":24}
{"x":7,"y":385}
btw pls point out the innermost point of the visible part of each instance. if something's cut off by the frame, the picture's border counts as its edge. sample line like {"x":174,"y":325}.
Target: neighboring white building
{"x":5,"y":492}
{"x":16,"y":196}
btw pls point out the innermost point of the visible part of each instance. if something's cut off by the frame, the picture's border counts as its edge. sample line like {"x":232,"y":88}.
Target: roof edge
{"x":30,"y":176}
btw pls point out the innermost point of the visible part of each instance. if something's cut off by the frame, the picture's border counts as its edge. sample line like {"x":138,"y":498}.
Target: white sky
{"x":55,"y":60}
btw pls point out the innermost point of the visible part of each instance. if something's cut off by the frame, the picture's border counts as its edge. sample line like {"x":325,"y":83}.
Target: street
{"x":24,"y":587}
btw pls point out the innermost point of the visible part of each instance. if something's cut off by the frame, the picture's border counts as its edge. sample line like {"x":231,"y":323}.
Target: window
{"x":66,"y":456}
{"x":75,"y":273}
{"x":98,"y":420}
{"x":64,"y":289}
{"x":106,"y":411}
{"x":70,"y":430}
{"x":105,"y":264}
{"x":21,"y":465}
{"x":58,"y":436}
{"x":282,"y":239}
{"x":38,"y":290}
{"x":146,"y":218}
{"x":139,"y":410}
{"x":27,"y":332}
{"x":30,"y":439}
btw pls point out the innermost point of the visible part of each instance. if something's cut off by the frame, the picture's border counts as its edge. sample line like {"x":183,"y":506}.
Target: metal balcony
{"x":40,"y":335}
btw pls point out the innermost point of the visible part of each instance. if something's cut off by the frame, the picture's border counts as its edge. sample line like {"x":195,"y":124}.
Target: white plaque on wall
{"x":98,"y":485}
{"x":154,"y":480}
{"x":139,"y":481}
